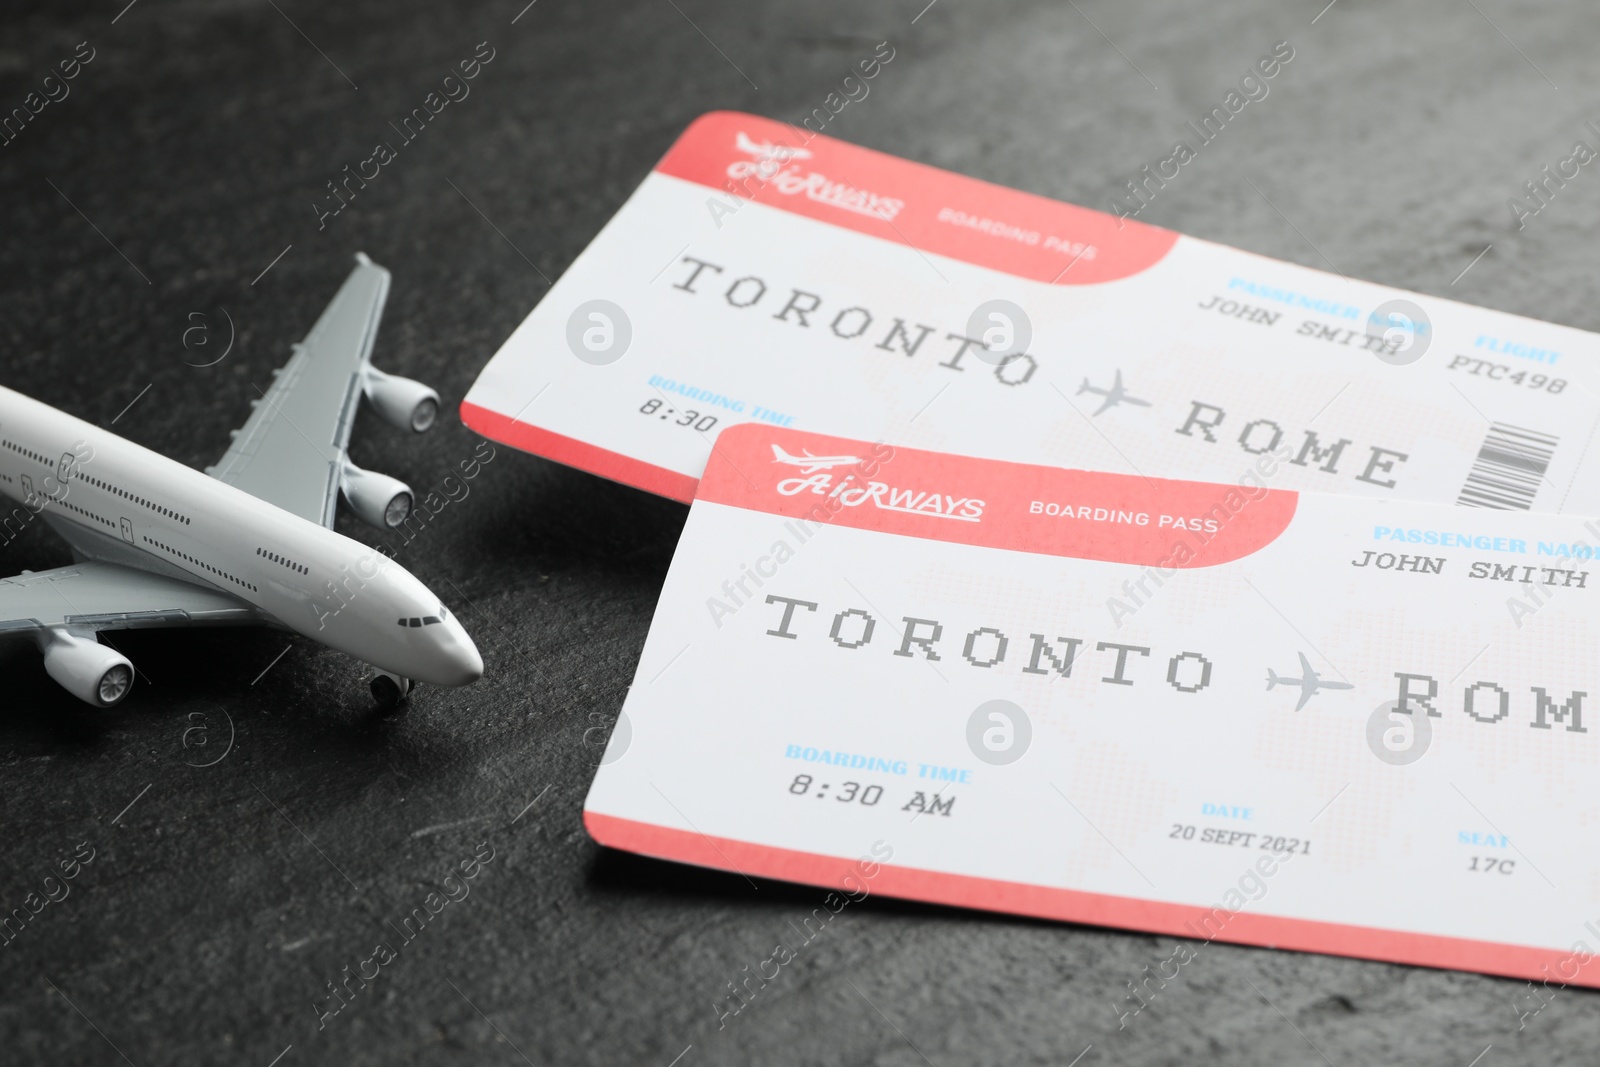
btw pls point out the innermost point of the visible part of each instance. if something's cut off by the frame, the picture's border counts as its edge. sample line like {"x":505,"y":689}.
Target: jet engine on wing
{"x":401,"y":402}
{"x":377,"y":499}
{"x":88,"y":670}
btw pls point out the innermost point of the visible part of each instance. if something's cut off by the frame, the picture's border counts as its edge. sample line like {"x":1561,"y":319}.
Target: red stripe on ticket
{"x":1118,"y":518}
{"x":782,"y":166}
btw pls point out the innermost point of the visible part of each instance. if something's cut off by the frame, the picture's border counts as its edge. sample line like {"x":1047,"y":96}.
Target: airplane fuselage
{"x":119,"y":502}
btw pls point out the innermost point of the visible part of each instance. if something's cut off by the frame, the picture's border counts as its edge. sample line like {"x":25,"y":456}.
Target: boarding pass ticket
{"x":763,"y":274}
{"x":1217,"y":711}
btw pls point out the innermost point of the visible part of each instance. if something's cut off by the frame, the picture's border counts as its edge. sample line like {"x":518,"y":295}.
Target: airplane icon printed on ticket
{"x":810,"y":464}
{"x":1310,"y":684}
{"x":1115,"y":395}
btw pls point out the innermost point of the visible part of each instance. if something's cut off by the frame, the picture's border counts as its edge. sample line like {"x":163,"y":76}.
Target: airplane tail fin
{"x":1084,"y":388}
{"x":780,"y":456}
{"x":1273,"y":680}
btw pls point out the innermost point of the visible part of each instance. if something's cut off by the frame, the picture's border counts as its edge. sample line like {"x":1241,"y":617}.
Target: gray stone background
{"x":188,"y":156}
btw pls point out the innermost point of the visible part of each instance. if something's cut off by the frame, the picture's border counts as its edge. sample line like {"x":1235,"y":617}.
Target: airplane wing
{"x":1307,"y":691}
{"x":291,"y":450}
{"x":106,"y":596}
{"x":1305,"y":667}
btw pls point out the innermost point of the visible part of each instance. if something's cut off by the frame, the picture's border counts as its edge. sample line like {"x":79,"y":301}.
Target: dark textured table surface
{"x":190,"y":154}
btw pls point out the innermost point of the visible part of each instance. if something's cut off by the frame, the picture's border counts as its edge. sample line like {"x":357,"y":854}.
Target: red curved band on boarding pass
{"x":1118,"y":518}
{"x":934,"y":211}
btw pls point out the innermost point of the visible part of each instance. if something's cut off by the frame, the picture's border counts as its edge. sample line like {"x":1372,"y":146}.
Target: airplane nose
{"x":468,"y":661}
{"x":465,"y":664}
{"x":446,"y":657}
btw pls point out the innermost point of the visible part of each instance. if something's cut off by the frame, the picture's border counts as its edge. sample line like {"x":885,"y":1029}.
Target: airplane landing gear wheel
{"x":390,"y":691}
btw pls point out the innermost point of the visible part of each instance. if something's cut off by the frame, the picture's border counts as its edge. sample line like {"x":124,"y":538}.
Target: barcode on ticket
{"x":1509,"y":468}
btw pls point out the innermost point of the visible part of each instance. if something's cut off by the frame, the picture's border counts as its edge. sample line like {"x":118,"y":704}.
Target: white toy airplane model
{"x":160,"y":544}
{"x":1309,"y":682}
{"x":810,"y":464}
